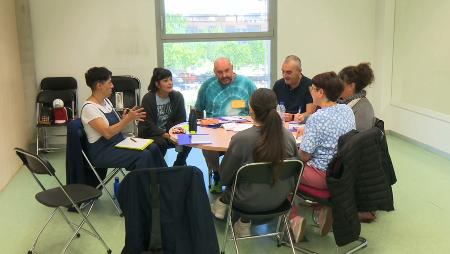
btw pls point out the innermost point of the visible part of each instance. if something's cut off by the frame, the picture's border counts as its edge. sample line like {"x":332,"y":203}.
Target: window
{"x":192,"y":34}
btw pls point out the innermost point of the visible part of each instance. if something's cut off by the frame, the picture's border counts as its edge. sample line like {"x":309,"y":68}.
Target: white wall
{"x":71,"y":36}
{"x":425,"y":126}
{"x":12,"y":98}
{"x":326,"y":35}
{"x":421,"y":59}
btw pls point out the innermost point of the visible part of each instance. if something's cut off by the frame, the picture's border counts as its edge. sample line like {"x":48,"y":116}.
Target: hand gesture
{"x":135,"y":113}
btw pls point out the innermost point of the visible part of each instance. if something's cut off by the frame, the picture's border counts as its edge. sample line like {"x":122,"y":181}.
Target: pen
{"x":132,"y":139}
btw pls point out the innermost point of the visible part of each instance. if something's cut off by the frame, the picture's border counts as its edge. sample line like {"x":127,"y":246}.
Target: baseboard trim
{"x":418,"y":143}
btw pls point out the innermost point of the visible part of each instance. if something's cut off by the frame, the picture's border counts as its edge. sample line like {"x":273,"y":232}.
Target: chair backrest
{"x":261,"y":172}
{"x":47,"y":96}
{"x":35,"y":163}
{"x":59,"y":83}
{"x":130,"y":87}
{"x":125,"y":83}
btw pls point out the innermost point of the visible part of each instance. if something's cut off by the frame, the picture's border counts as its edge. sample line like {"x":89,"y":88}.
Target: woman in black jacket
{"x":165,"y":108}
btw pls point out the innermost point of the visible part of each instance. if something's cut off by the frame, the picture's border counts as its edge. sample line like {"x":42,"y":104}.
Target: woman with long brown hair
{"x":266,"y":141}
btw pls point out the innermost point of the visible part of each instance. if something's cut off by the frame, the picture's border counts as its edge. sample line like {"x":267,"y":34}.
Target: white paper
{"x":201,"y":139}
{"x":236,"y":127}
{"x":134,"y":143}
{"x":232,"y":118}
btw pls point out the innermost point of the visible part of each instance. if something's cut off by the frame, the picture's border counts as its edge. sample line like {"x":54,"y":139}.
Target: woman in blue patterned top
{"x":320,"y":139}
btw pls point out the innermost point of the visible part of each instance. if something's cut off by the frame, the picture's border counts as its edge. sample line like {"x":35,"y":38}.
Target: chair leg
{"x":110,"y":196}
{"x":363,"y":244}
{"x":85,"y":220}
{"x":225,"y":237}
{"x":67,"y":220}
{"x":113,"y":200}
{"x":286,"y":226}
{"x":234,"y":236}
{"x":37,"y":141}
{"x":42,"y":230}
{"x":281,"y":233}
{"x":45,"y":139}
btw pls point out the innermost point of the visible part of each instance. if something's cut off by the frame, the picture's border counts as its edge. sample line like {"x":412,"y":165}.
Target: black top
{"x":149,"y":127}
{"x":293,"y":98}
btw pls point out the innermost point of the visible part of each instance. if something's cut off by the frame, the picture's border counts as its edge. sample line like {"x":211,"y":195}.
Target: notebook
{"x":192,"y":139}
{"x":134,"y":143}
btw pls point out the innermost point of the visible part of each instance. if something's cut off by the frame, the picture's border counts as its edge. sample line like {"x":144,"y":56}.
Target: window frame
{"x":270,"y":35}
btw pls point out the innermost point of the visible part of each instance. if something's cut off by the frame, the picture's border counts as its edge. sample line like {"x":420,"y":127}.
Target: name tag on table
{"x":238,"y":104}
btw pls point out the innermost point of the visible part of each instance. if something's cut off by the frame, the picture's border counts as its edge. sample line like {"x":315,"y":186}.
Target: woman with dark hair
{"x":266,"y":141}
{"x":103,"y":127}
{"x":165,"y":108}
{"x":355,"y":79}
{"x":319,"y":143}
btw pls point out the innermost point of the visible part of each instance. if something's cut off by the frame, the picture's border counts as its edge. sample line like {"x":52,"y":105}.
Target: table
{"x":219,"y":136}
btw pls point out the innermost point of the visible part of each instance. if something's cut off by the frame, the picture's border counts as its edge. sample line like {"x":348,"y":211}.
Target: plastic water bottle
{"x":116,"y":186}
{"x":281,"y":110}
{"x":192,"y":121}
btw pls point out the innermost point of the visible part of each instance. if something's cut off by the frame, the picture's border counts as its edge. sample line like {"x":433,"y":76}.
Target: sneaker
{"x":298,"y":228}
{"x":219,"y":209}
{"x":216,"y":188}
{"x":325,"y":220}
{"x":242,"y":229}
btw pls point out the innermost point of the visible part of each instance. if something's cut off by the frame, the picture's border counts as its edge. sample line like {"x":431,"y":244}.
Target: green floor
{"x":420,"y":223}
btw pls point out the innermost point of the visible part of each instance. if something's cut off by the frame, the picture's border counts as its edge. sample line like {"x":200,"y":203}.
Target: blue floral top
{"x":322,"y":131}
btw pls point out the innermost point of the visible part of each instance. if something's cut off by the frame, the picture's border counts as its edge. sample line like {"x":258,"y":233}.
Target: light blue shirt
{"x":215,"y":98}
{"x":322,"y":131}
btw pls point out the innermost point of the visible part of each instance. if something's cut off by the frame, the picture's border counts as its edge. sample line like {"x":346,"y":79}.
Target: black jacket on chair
{"x":185,"y":214}
{"x":359,"y":180}
{"x":77,"y":169}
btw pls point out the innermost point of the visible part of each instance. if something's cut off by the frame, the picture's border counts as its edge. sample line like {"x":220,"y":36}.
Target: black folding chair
{"x":129,"y":87}
{"x":72,"y":195}
{"x":261,"y":173}
{"x":51,"y":88}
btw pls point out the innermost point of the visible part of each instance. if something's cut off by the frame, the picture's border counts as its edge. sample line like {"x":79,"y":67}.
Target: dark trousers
{"x":165,"y":144}
{"x":104,"y":154}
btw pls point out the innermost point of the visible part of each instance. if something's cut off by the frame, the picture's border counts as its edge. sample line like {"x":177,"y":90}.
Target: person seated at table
{"x":355,"y":79}
{"x":103,"y":127}
{"x":293,"y":90}
{"x":266,"y":141}
{"x":226,"y":94}
{"x":319,"y":143}
{"x":165,"y":109}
